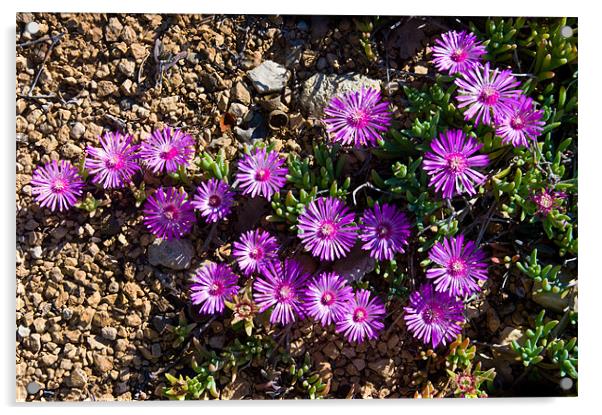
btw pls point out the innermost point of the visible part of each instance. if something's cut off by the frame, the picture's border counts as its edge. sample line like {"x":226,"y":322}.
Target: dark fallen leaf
{"x":355,"y":265}
{"x":406,"y":39}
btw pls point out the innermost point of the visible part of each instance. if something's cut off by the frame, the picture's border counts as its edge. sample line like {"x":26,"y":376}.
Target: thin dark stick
{"x":283,"y":336}
{"x":116,"y":121}
{"x":392,"y":326}
{"x":141,"y":69}
{"x":36,"y":97}
{"x":487,"y":220}
{"x":370,"y":186}
{"x":55,"y":40}
{"x":210,"y":236}
{"x":40,"y":40}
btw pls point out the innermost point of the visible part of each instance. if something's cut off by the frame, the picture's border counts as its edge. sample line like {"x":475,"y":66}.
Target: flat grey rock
{"x":175,"y":254}
{"x":269,"y":77}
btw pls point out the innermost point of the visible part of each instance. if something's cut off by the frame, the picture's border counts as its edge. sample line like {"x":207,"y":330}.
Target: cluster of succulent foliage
{"x":310,"y":178}
{"x":539,"y":47}
{"x":482,"y":148}
{"x":547,"y":278}
{"x":218,"y":166}
{"x":299,"y":376}
{"x":213,"y":370}
{"x":461,"y":353}
{"x":543,"y":348}
{"x":284,"y":375}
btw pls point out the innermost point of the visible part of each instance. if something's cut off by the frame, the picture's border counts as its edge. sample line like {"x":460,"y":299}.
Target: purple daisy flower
{"x":281,"y":287}
{"x":326,"y":298}
{"x":523,"y":123}
{"x":114,"y":164}
{"x":359,"y":118}
{"x":57,"y":185}
{"x":450,"y":163}
{"x":434,"y":317}
{"x":547,"y":200}
{"x":211,"y":286}
{"x":327,"y":229}
{"x":255,"y":250}
{"x":214,"y":200}
{"x":487,"y":92}
{"x":167,"y":214}
{"x":460,"y":266}
{"x":457,"y":52}
{"x":167,"y":149}
{"x":385,"y":230}
{"x":363,"y":317}
{"x":261,"y":173}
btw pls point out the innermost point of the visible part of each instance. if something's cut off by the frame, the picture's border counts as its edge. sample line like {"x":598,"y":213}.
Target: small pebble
{"x":23,"y":331}
{"x":34,"y":387}
{"x":109,"y":333}
{"x":36,"y":252}
{"x":32,"y":28}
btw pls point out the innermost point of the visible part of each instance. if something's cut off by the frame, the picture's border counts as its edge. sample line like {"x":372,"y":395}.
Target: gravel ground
{"x":95,"y":292}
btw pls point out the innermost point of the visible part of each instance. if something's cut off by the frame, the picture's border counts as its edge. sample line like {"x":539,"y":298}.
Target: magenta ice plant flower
{"x":434,"y":317}
{"x":459,"y":266}
{"x":326,"y":228}
{"x":326,"y":298}
{"x":167,"y":149}
{"x":213,"y":199}
{"x":358,"y":117}
{"x":451,"y":162}
{"x":57,"y":185}
{"x":114,"y":164}
{"x":168,"y":214}
{"x":457,"y":52}
{"x":212,"y":285}
{"x":384,"y":230}
{"x":281,"y":286}
{"x":363,"y":317}
{"x":546,"y":200}
{"x":487,"y":94}
{"x":255,"y":250}
{"x":261,"y":173}
{"x":522,"y":124}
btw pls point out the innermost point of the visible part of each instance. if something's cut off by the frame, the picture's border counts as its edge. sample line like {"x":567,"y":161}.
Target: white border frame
{"x":590,"y":151}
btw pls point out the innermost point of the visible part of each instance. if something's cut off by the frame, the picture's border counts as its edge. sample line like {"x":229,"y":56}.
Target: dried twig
{"x":141,"y":68}
{"x":283,"y":336}
{"x":163,"y":65}
{"x":370,"y":186}
{"x":38,"y":97}
{"x":40,"y":40}
{"x":55,"y":39}
{"x":210,"y":236}
{"x":487,"y":220}
{"x":116,"y":121}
